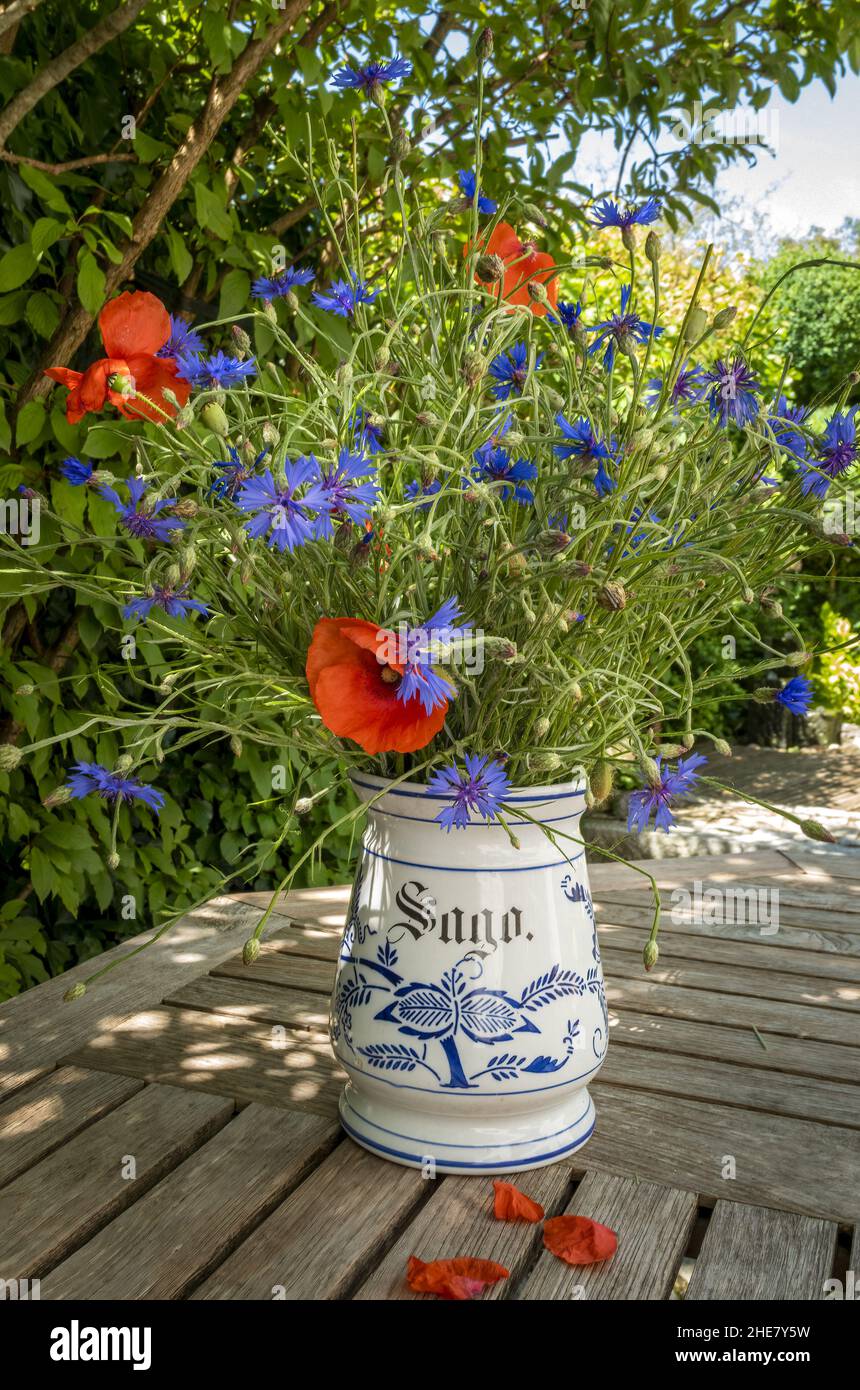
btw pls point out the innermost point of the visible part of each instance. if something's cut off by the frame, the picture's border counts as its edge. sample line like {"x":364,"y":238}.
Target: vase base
{"x":445,"y":1144}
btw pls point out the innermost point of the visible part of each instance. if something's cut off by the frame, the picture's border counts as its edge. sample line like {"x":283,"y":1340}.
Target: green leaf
{"x":103,"y":441}
{"x":16,"y":267}
{"x":91,"y":283}
{"x":30,"y":421}
{"x":45,"y":231}
{"x":148,"y":149}
{"x":235,"y":292}
{"x":42,"y":314}
{"x":42,"y":186}
{"x":211,"y":213}
{"x":180,"y":256}
{"x":42,"y":873}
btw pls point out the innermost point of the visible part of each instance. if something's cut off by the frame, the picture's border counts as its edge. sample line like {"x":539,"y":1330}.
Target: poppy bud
{"x":214,"y":419}
{"x":400,"y":146}
{"x":725,"y":317}
{"x":489,"y":269}
{"x":672,"y":750}
{"x":723,"y":748}
{"x":612,"y":596}
{"x":537,"y":292}
{"x":601,"y":780}
{"x":303,"y":806}
{"x":250,"y":951}
{"x":74,"y":992}
{"x":798,"y":658}
{"x":687,"y":740}
{"x":269,"y":434}
{"x":543,"y":762}
{"x":112,"y":861}
{"x":533,"y":214}
{"x":813,"y":830}
{"x":484,"y":45}
{"x":653,"y":247}
{"x":168,"y":682}
{"x":697,"y":322}
{"x":650,"y":955}
{"x":344,"y":375}
{"x":187,"y":559}
{"x":542,"y":727}
{"x":474,"y":366}
{"x":10,"y":757}
{"x":241,"y":341}
{"x":236,"y":745}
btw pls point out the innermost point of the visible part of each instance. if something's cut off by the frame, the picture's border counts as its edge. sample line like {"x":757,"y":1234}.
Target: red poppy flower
{"x":356,"y":692}
{"x":453,"y":1279}
{"x":578,"y":1240}
{"x":510,"y":1204}
{"x":133,"y":327}
{"x":523,"y":263}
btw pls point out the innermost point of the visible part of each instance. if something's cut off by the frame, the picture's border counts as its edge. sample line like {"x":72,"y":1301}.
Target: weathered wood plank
{"x":783,"y":1162}
{"x":832,"y":863}
{"x":254,"y":1001}
{"x":826,"y":996}
{"x":319,"y":907}
{"x":724,"y":946}
{"x":182,"y":1229}
{"x":52,"y":1208}
{"x":802,"y":900}
{"x":289,"y":971}
{"x":223,"y":1055}
{"x":758,"y":1253}
{"x":703,"y":1038}
{"x":649,"y":995}
{"x":322,"y":1239}
{"x":752,"y":1088}
{"x":672,"y":873}
{"x":653,"y":1226}
{"x":40,"y":1118}
{"x":458,"y":1220}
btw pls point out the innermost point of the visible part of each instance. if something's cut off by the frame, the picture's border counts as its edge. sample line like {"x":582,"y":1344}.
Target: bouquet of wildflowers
{"x":445,"y":521}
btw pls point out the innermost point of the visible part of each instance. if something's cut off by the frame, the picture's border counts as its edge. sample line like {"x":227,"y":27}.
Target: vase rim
{"x":571,"y":787}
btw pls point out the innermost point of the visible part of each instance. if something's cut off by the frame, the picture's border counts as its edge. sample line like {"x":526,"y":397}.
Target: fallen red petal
{"x":579,"y":1240}
{"x":453,"y":1279}
{"x":512,"y":1205}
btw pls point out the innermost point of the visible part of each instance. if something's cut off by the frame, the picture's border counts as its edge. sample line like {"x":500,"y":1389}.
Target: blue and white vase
{"x":469,"y":1008}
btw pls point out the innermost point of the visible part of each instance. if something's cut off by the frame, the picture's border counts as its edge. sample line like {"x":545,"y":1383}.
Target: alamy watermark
{"x":737,"y":125}
{"x":21,"y":517}
{"x":715,"y":907}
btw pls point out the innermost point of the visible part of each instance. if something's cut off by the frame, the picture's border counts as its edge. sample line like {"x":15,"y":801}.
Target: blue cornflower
{"x":416,"y":489}
{"x":785,"y":425}
{"x":371,"y":77}
{"x":654,"y":800}
{"x":366,"y":432}
{"x":143,"y":521}
{"x":172,"y":601}
{"x":836,"y":452}
{"x":609,"y":214}
{"x":92,"y":777}
{"x":494,"y":464}
{"x":280,"y":509}
{"x":184,"y":338}
{"x":581,"y":443}
{"x":344,"y":296}
{"x":510,"y":369}
{"x":269,"y":287}
{"x":216,"y":372}
{"x":477,"y":791}
{"x":343,"y":491}
{"x":621,"y":329}
{"x":467,"y":181}
{"x":688,"y":387}
{"x":236,"y":472}
{"x":796,"y":695}
{"x":569,"y":315}
{"x":417,"y":654}
{"x":76,"y":472}
{"x":732,"y":395}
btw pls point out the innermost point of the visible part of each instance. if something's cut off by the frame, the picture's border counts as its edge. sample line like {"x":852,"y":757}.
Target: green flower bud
{"x":723,"y":748}
{"x":124,"y":763}
{"x":186,"y":507}
{"x":602,"y":780}
{"x":376,"y":94}
{"x":214,"y":419}
{"x":344,"y":375}
{"x":653,"y":247}
{"x":270,"y":311}
{"x":113,"y":861}
{"x":628,"y":238}
{"x":269,"y":434}
{"x":650,"y":955}
{"x":236,"y":745}
{"x":303,"y":806}
{"x":650,"y":771}
{"x":534,"y":215}
{"x":185,"y":417}
{"x":484,"y":45}
{"x":10,"y":757}
{"x":725,"y":317}
{"x":170,"y":397}
{"x":250,"y":951}
{"x":612,"y":596}
{"x":74,"y":992}
{"x":697,"y":322}
{"x":57,"y":797}
{"x":489,"y":269}
{"x":26,"y":690}
{"x":241,"y":341}
{"x":537,"y":292}
{"x":542,"y":727}
{"x":543,"y":762}
{"x":474,"y":366}
{"x":291,"y":299}
{"x":400,"y":146}
{"x":813,"y":830}
{"x":687,"y":740}
{"x":798,"y":658}
{"x":575,"y":691}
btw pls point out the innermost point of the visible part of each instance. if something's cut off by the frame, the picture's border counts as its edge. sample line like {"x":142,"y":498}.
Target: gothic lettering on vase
{"x":484,"y":930}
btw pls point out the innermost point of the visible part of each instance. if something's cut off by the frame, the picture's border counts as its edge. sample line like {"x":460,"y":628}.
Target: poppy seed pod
{"x":697,"y":322}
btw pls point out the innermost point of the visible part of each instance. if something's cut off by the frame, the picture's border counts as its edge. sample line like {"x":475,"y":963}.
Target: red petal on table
{"x":579,"y":1240}
{"x":454,"y":1279}
{"x":512,"y":1205}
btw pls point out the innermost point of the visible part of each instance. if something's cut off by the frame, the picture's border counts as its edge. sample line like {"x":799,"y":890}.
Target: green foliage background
{"x":70,"y":237}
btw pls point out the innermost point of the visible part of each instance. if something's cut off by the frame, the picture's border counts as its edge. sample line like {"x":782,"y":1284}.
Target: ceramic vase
{"x":469,"y":1008}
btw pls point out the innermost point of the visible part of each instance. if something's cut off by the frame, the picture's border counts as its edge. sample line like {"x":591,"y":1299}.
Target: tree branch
{"x":70,"y":163}
{"x":14,"y":13}
{"x":59,"y":68}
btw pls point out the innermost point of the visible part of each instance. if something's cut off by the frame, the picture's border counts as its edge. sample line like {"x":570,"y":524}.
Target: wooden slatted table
{"x":173,"y":1133}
